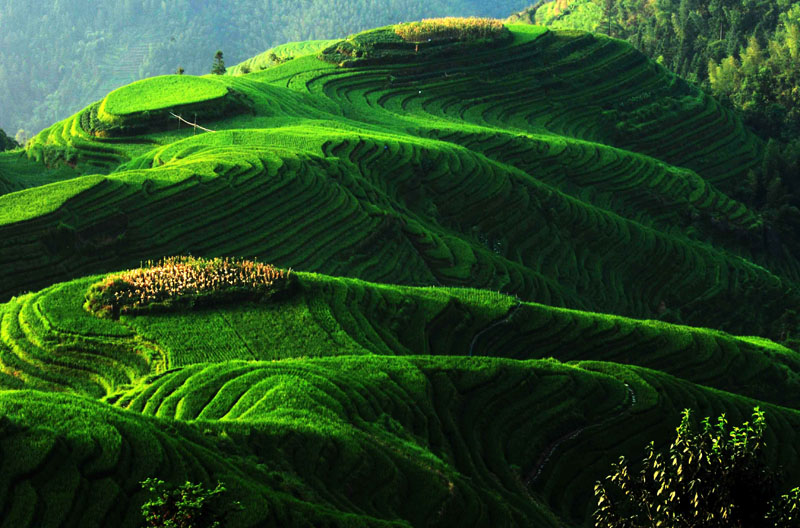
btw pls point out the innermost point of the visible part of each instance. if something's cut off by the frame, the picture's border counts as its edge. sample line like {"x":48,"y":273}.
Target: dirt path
{"x":497,"y":323}
{"x":551,"y":449}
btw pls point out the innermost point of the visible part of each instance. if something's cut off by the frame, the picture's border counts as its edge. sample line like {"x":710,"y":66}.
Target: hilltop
{"x":57,"y":60}
{"x":517,"y":254}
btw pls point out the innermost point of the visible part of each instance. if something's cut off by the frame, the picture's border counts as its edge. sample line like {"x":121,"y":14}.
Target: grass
{"x":158,"y":93}
{"x":278,"y":55}
{"x":48,"y":198}
{"x":521,"y":259}
{"x":17,"y":172}
{"x":294,"y":420}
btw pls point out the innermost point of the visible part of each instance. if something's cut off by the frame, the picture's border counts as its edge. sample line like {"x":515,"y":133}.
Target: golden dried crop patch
{"x":458,"y":28}
{"x":184,"y":282}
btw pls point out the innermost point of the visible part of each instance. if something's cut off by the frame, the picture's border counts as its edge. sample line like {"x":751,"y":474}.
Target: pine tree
{"x":219,"y":64}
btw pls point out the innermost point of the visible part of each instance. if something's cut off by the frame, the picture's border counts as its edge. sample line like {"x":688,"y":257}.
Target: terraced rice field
{"x":458,"y":406}
{"x":290,"y":50}
{"x":158,"y":93}
{"x":515,"y":264}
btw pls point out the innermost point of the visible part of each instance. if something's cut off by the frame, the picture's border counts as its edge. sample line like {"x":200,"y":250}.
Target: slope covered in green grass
{"x":17,"y":172}
{"x":158,"y":93}
{"x":515,"y":168}
{"x":355,"y":402}
{"x":279,"y":54}
{"x":59,"y":57}
{"x":517,"y":259}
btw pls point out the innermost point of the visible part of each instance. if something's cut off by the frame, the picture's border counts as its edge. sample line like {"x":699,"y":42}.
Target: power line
{"x":191,"y":124}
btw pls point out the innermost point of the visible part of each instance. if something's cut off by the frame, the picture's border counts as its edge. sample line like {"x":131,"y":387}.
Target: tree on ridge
{"x":219,"y":64}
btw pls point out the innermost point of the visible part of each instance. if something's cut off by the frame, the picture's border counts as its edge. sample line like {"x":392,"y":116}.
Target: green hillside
{"x":517,"y":256}
{"x":60,"y":56}
{"x":745,"y":52}
{"x":456,"y":406}
{"x":515,"y":175}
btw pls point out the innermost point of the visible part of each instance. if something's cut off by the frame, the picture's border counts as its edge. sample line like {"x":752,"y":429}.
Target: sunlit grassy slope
{"x":279,"y":54}
{"x":158,"y":93}
{"x":502,"y":233}
{"x":561,"y":167}
{"x":380,"y":404}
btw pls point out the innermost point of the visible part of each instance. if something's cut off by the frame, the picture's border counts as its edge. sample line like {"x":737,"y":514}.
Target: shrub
{"x":186,"y":506}
{"x":713,"y":478}
{"x":185,"y":282}
{"x":450,"y":28}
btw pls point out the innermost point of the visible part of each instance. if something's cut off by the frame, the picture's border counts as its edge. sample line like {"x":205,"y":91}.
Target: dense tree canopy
{"x":6,"y":143}
{"x":52,"y":62}
{"x":763,"y":78}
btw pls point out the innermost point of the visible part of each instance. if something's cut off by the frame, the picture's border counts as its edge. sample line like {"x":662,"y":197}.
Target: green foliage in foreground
{"x":186,"y":506}
{"x":372,"y":404}
{"x":327,"y":317}
{"x":714,"y":477}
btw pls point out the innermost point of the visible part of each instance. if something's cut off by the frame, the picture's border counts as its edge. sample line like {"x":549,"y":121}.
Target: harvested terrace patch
{"x":415,"y":41}
{"x":451,"y":29}
{"x":184,"y":283}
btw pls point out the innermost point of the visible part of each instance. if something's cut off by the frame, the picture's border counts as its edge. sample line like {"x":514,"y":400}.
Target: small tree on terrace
{"x":186,"y":506}
{"x":712,"y":478}
{"x":219,"y":64}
